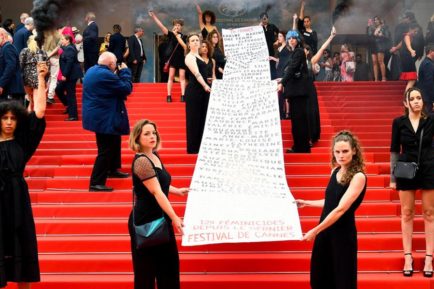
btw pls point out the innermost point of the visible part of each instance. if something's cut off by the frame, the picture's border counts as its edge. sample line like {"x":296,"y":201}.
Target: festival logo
{"x":231,"y":8}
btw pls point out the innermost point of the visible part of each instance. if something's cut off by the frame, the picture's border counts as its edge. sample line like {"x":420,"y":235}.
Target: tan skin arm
{"x":356,"y":186}
{"x":319,"y":53}
{"x":40,"y":94}
{"x":199,"y":16}
{"x":302,"y":4}
{"x":407,"y":41}
{"x":158,"y":22}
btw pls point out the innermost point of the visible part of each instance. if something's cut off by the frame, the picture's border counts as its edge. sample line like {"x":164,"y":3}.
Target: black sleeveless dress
{"x":196,"y":106}
{"x":334,"y":255}
{"x":160,"y":263}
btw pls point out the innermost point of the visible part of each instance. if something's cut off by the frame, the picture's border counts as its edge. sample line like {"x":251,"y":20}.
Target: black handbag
{"x":408,"y":170}
{"x":156,"y":232}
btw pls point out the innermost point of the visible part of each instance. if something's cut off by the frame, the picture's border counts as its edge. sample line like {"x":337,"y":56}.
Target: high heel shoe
{"x":409,"y":272}
{"x":428,"y":274}
{"x":169,"y":98}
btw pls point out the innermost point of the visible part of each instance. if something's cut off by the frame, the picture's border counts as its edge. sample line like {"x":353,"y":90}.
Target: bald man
{"x":11,"y":81}
{"x":105,"y":89}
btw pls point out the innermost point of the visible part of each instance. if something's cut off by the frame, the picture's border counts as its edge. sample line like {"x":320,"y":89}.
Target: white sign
{"x":239,"y":191}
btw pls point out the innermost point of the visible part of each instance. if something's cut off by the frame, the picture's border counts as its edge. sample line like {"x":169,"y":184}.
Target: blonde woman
{"x":28,"y":63}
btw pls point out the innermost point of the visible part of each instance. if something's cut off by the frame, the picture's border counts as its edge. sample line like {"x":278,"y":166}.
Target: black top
{"x":220,"y":61}
{"x":17,"y":232}
{"x":310,"y":38}
{"x":117,"y":45}
{"x":271,"y":32}
{"x":406,"y":141}
{"x":146,"y":208}
{"x":333,"y":195}
{"x":283,"y":56}
{"x":178,"y":56}
{"x":295,"y":75}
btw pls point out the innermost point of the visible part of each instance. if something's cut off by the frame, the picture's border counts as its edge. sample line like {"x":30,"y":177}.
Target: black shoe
{"x":100,"y":188}
{"x":118,"y":175}
{"x":71,"y":119}
{"x":408,"y":273}
{"x":182,"y":98}
{"x":290,"y":151}
{"x":50,"y":100}
{"x":428,"y":274}
{"x":169,"y":98}
{"x":65,"y":111}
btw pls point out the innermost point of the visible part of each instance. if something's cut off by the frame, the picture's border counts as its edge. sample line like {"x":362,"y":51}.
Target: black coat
{"x":295,"y":74}
{"x":135,"y":49}
{"x":90,"y":39}
{"x":69,"y":64}
{"x":117,"y":45}
{"x":10,"y":73}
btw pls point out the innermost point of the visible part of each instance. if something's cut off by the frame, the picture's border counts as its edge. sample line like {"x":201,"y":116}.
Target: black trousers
{"x":65,"y":90}
{"x":90,"y":59}
{"x":300,"y":123}
{"x":159,"y":263}
{"x":108,"y":158}
{"x":136,"y":70}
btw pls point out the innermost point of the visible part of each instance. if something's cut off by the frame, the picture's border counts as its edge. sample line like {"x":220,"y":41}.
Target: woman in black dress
{"x":151,"y":188}
{"x":197,"y":95}
{"x":295,"y":84}
{"x":334,"y":254}
{"x":174,"y":53}
{"x":406,"y":131}
{"x":206,"y":54}
{"x":207,"y":20}
{"x":20,"y":135}
{"x":218,"y":53}
{"x":380,"y":43}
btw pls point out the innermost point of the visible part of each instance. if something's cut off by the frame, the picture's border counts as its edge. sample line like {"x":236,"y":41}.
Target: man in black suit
{"x":21,"y":36}
{"x":71,"y":72}
{"x":90,"y":42}
{"x":137,"y":56}
{"x":118,"y":44}
{"x":11,"y":81}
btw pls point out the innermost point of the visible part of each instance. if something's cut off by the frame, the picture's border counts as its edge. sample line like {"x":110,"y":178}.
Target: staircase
{"x":83,"y":238}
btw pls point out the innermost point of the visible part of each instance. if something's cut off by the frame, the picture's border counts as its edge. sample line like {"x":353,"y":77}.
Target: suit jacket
{"x":117,"y":45}
{"x":90,"y":39}
{"x":69,"y":64}
{"x":295,"y":74}
{"x":426,"y":79}
{"x":10,"y":73}
{"x":135,"y":49}
{"x":20,"y":39}
{"x":104,"y":95}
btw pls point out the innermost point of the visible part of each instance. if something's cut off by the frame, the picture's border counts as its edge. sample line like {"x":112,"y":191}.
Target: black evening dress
{"x":334,"y":254}
{"x":18,"y":247}
{"x":160,"y":263}
{"x":196,"y":106}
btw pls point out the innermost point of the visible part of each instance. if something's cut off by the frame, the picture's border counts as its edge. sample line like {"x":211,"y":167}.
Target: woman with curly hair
{"x":334,"y":254}
{"x":206,"y":21}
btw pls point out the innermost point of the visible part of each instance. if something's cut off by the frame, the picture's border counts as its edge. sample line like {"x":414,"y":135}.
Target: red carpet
{"x":83,"y":240}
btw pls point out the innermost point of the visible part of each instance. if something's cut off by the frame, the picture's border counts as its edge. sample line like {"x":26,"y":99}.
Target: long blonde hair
{"x":32,"y":45}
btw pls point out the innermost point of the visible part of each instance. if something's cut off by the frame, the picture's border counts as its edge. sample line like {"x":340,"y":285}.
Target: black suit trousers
{"x":90,"y":59}
{"x":136,"y":70}
{"x":108,"y":158}
{"x":300,"y":123}
{"x":65,"y":90}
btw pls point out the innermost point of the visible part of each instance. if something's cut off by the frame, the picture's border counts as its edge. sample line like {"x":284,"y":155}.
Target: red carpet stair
{"x":83,"y":240}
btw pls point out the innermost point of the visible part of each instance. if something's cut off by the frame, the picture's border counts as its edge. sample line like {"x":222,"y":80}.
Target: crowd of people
{"x":31,"y":74}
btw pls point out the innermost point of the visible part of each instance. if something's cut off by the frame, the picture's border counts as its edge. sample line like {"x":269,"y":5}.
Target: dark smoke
{"x":341,"y":9}
{"x":50,"y":14}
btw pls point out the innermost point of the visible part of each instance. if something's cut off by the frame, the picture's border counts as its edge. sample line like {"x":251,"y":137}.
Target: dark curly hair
{"x":210,"y":14}
{"x":16,"y":109}
{"x":357,"y":163}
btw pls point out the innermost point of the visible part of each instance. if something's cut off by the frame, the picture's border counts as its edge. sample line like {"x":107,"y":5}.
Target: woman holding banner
{"x":334,"y":254}
{"x":196,"y":94}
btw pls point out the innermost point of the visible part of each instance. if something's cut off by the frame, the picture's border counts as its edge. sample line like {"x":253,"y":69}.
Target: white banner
{"x":239,"y":191}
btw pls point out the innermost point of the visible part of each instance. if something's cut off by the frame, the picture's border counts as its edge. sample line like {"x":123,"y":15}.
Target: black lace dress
{"x":334,"y":254}
{"x":18,"y":247}
{"x":160,"y":263}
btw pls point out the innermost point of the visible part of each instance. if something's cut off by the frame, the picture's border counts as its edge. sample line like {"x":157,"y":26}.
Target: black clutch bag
{"x":152,"y":234}
{"x":408,"y":170}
